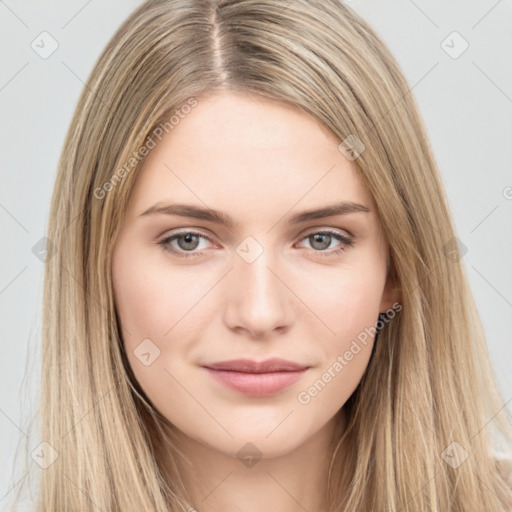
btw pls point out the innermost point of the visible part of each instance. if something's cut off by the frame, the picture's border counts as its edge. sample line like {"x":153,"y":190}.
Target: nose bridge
{"x":259,"y":299}
{"x":259,"y":282}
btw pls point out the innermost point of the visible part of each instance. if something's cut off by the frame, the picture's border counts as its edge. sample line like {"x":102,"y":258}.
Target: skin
{"x":260,"y":162}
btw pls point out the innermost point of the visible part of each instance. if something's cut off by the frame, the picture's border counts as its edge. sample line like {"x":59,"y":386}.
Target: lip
{"x":249,"y":366}
{"x":254,"y":378}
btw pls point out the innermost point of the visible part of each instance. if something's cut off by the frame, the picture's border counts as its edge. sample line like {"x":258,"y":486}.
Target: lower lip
{"x":257,"y":384}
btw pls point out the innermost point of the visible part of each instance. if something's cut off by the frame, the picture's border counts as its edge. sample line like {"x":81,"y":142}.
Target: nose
{"x":259,"y":300}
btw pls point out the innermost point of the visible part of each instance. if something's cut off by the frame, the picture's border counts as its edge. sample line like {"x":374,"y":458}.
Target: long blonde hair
{"x":429,"y":395}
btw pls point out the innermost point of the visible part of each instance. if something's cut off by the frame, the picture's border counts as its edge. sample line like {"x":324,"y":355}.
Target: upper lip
{"x":249,"y":366}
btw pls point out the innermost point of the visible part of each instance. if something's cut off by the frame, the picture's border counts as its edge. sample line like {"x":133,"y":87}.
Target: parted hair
{"x":429,"y":383}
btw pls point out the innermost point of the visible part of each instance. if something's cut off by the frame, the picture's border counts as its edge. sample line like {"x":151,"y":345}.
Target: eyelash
{"x":348,"y":242}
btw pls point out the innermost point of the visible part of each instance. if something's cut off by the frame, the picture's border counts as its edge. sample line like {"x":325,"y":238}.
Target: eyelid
{"x":306,"y":232}
{"x":315,"y":229}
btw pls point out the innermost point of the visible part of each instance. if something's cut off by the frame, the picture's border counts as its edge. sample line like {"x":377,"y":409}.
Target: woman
{"x":283,"y":141}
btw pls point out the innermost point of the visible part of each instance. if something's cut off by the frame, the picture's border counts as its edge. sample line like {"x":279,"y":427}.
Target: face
{"x":191,"y":291}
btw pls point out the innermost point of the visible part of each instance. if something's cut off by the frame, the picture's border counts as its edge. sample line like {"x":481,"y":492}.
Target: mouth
{"x":258,"y":379}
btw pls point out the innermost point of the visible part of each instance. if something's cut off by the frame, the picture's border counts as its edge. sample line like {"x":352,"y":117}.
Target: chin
{"x":247,"y":442}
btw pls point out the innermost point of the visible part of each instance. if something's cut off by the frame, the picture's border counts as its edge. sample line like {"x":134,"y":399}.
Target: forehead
{"x":250,"y":153}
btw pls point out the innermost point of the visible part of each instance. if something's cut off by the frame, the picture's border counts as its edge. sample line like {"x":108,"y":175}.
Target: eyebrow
{"x":218,"y":217}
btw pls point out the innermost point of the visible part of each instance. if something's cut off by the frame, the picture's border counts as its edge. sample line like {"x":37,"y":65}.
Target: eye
{"x":320,"y":240}
{"x":188,"y":242}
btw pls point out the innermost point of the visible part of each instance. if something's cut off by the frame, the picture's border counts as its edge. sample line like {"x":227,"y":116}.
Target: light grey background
{"x":466,"y":103}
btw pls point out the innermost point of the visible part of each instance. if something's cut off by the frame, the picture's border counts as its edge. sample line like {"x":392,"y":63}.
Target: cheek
{"x":160,"y":311}
{"x":351,"y":311}
{"x":151,"y":300}
{"x":359,"y":307}
{"x":155,"y":308}
{"x":347,"y":300}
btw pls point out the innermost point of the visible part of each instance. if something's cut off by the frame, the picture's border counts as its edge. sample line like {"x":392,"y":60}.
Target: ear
{"x":390,"y":294}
